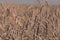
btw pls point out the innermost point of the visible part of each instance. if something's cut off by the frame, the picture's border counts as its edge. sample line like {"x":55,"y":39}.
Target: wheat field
{"x":29,"y":22}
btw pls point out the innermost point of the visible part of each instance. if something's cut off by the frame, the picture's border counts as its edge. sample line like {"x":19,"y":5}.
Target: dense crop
{"x":29,"y":22}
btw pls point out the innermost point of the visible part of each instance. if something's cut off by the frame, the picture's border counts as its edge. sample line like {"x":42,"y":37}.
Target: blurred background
{"x":30,"y":1}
